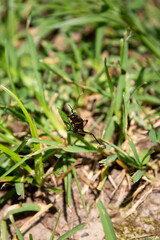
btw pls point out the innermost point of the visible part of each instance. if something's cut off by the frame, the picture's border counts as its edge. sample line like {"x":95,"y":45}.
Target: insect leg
{"x":85,"y":122}
{"x":84,"y":132}
{"x":96,"y":138}
{"x":68,"y":124}
{"x":70,"y":130}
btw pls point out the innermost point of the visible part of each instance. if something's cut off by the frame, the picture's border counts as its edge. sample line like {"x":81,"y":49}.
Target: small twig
{"x":112,"y":182}
{"x":32,"y":220}
{"x":86,"y":180}
{"x":120,"y":181}
{"x":144,"y":236}
{"x":68,"y":170}
{"x":140,"y":189}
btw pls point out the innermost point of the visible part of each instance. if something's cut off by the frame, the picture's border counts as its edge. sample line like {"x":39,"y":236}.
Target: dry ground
{"x":134,"y":208}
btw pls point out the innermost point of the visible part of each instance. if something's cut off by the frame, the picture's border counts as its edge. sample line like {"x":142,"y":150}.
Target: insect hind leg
{"x":95,"y":138}
{"x":84,"y":132}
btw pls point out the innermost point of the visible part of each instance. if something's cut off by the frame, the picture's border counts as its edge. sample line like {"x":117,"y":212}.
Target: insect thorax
{"x":75,"y":118}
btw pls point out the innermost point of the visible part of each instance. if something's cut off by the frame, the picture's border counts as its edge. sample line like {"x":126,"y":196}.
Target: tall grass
{"x":54,"y":53}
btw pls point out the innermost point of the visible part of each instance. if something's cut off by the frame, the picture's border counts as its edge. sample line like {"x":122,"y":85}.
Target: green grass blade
{"x":52,"y":117}
{"x":158,"y":136}
{"x":16,"y":179}
{"x":74,"y":149}
{"x":25,"y":112}
{"x":69,"y":189}
{"x":4,"y":230}
{"x":63,"y":116}
{"x":134,"y":22}
{"x":71,"y":232}
{"x":55,"y":190}
{"x":121,"y":81}
{"x":148,"y":99}
{"x":110,"y":122}
{"x":60,"y":73}
{"x":152,"y":135}
{"x":137,"y":160}
{"x":19,"y":234}
{"x":98,"y":43}
{"x":103,"y":177}
{"x":128,"y":160}
{"x":38,"y":159}
{"x":5,"y":139}
{"x":111,"y":87}
{"x":106,"y":222}
{"x":119,"y":94}
{"x":109,"y":129}
{"x":124,"y":53}
{"x":109,"y":159}
{"x":69,"y":148}
{"x":53,"y":233}
{"x":32,"y":154}
{"x":78,"y":56}
{"x":22,"y":145}
{"x":15,"y":157}
{"x":146,"y":156}
{"x":7,"y":196}
{"x":137,"y":176}
{"x":23,"y":208}
{"x":77,"y":22}
{"x":40,"y":92}
{"x":8,"y":67}
{"x":20,"y":189}
{"x":55,"y":69}
{"x":36,"y":68}
{"x":30,"y":237}
{"x":79,"y":189}
{"x":126,"y":100}
{"x":64,"y":169}
{"x":11,"y":23}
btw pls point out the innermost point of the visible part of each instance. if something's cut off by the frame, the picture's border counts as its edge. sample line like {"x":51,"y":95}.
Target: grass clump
{"x":101,"y":58}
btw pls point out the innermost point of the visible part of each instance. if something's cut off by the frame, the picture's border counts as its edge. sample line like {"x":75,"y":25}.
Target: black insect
{"x":78,"y":125}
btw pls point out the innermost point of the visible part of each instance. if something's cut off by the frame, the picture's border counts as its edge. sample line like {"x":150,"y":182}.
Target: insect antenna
{"x":76,"y":103}
{"x":70,"y":108}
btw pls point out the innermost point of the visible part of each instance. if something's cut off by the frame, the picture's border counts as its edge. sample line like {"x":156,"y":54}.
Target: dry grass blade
{"x":134,"y":207}
{"x":32,"y":220}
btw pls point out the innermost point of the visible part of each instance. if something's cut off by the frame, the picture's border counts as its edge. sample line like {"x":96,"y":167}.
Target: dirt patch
{"x":142,"y":197}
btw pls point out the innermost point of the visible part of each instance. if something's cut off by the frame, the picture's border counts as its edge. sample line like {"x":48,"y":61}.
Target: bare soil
{"x":134,"y":208}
